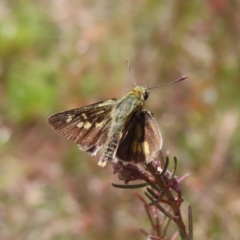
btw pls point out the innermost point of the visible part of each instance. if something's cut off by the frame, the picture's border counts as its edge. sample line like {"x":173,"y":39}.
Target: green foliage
{"x":31,"y":90}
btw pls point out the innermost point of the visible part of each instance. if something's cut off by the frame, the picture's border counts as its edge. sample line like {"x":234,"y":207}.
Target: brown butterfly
{"x":129,"y":133}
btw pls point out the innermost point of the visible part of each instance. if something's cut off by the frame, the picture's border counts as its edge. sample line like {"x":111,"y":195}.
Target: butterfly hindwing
{"x":142,"y":142}
{"x":87,"y":126}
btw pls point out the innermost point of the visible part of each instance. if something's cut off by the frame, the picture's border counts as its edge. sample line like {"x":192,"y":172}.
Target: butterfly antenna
{"x":178,"y":80}
{"x":129,"y":70}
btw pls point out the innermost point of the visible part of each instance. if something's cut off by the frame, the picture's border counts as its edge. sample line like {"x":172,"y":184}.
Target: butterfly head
{"x":141,"y":92}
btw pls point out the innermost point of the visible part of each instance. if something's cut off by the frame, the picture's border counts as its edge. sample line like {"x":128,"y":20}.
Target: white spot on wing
{"x":84,"y":116}
{"x":80,"y":125}
{"x":69,"y":118}
{"x":145,"y":146}
{"x":100,"y":124}
{"x":87,"y":125}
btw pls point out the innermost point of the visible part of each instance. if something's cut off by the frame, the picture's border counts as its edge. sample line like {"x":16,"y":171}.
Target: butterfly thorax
{"x":125,"y":108}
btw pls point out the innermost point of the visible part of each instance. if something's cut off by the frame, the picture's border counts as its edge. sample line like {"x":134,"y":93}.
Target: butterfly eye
{"x":145,"y":95}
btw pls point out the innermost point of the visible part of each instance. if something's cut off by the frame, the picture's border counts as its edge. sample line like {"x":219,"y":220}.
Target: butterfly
{"x":127,"y":132}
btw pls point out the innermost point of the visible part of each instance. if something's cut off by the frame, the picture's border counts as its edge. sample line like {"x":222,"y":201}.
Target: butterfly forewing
{"x":87,"y":126}
{"x":142,"y":142}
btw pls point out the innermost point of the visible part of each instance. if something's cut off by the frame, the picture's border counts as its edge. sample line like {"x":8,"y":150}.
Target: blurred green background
{"x":57,"y":55}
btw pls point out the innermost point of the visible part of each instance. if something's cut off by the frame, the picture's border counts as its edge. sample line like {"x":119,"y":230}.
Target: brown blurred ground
{"x":58,"y":55}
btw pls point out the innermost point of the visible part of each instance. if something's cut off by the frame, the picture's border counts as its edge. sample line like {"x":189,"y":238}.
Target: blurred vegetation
{"x":57,"y":55}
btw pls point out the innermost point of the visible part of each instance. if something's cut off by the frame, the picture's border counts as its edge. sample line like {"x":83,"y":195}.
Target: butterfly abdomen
{"x":111,"y":145}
